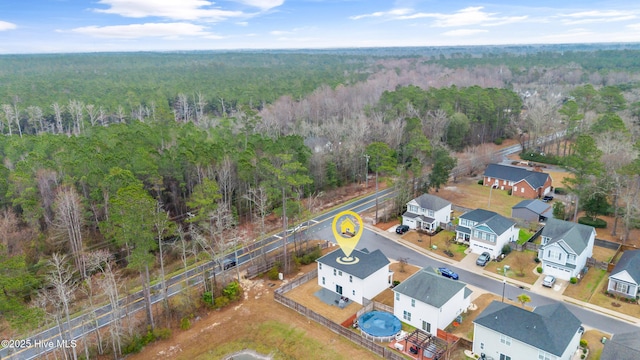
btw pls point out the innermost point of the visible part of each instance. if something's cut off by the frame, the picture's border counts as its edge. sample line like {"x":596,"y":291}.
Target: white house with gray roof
{"x":507,"y":332}
{"x":429,"y":301}
{"x":625,"y":277}
{"x":427,"y":212}
{"x":486,"y":231}
{"x":565,"y":247}
{"x":360,"y":280}
{"x":622,"y":346}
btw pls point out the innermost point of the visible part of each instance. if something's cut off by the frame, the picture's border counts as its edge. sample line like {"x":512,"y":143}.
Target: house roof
{"x":411,"y":215}
{"x":513,"y":173}
{"x":429,"y":287}
{"x":369,"y":262}
{"x":622,"y":346}
{"x":498,"y":223}
{"x":536,"y":206}
{"x":575,"y":235}
{"x":549,"y":328}
{"x":629,"y":262}
{"x":431,"y":202}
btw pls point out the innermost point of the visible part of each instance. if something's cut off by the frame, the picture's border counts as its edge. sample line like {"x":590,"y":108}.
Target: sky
{"x":62,"y":26}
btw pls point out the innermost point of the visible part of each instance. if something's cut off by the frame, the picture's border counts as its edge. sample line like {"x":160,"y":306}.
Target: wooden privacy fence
{"x":378,"y":349}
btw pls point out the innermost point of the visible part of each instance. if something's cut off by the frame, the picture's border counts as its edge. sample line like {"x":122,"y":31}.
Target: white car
{"x":548,"y":281}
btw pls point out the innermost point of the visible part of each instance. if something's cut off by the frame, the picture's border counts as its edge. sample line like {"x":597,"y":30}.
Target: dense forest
{"x":113,"y":164}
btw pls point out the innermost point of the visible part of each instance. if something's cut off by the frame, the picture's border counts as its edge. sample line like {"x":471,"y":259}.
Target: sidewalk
{"x":469,"y":264}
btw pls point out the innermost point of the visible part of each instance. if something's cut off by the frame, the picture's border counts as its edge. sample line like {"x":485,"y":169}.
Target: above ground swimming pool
{"x":379,"y":323}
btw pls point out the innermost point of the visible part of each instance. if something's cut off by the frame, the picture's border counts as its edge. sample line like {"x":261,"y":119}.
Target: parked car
{"x":548,"y":281}
{"x":401,"y":229}
{"x":483,"y":259}
{"x":448,"y":273}
{"x":228,"y":264}
{"x":547,"y":198}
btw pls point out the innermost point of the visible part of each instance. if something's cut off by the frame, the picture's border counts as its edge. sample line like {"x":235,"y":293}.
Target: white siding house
{"x":427,"y":212}
{"x":565,"y":247}
{"x":625,"y":277}
{"x":486,"y":231}
{"x":358,"y":281}
{"x":429,"y":301}
{"x":508,"y":332}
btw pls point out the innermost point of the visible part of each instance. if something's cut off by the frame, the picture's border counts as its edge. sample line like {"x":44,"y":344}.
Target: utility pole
{"x":366,"y":171}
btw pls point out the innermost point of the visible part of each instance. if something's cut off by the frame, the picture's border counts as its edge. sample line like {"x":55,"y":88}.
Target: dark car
{"x":547,"y":198}
{"x":228,"y":264}
{"x":448,"y":273}
{"x":483,"y":259}
{"x":402,"y":229}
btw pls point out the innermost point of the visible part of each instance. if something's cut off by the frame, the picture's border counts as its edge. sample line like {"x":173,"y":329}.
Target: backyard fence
{"x":378,"y":349}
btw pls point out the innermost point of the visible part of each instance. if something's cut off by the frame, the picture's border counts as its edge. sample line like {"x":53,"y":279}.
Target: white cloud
{"x":170,"y":9}
{"x":4,"y":25}
{"x":133,"y":31}
{"x":262,"y":4}
{"x":464,"y":17}
{"x":464,"y":32}
{"x":280,"y":32}
{"x":635,"y":27}
{"x":597,"y":16}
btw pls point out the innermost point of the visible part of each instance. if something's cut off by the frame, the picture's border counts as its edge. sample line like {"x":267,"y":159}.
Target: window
{"x":515,"y":188}
{"x":335,"y":272}
{"x":413,"y":208}
{"x":481,"y":346}
{"x":504,"y":357}
{"x":413,"y":302}
{"x":320,"y":266}
{"x":476,"y":233}
{"x":397,"y":296}
{"x":406,"y":315}
{"x":505,"y":340}
{"x":554,"y":255}
{"x":430,"y":213}
{"x":323,"y":280}
{"x":353,"y":292}
{"x":484,"y":236}
{"x":545,"y":356}
{"x":622,"y":287}
{"x":522,"y":189}
{"x":350,"y":278}
{"x":426,"y":326}
{"x":571,"y":258}
{"x":492,"y":238}
{"x":340,"y":273}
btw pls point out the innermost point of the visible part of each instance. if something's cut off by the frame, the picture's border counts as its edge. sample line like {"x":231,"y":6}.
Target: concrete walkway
{"x":469,"y":264}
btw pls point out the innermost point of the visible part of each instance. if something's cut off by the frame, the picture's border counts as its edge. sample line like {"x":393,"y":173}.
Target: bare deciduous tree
{"x":69,"y":220}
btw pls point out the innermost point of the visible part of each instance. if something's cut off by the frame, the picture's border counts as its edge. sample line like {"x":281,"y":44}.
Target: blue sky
{"x":58,"y":26}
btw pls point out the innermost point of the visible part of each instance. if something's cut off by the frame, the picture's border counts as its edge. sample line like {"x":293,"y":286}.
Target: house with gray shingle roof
{"x":486,"y":231}
{"x":522,"y":182}
{"x":532,"y":210}
{"x":622,"y":346}
{"x":565,"y":247}
{"x":429,"y":301}
{"x":427,"y":212}
{"x":507,"y":332}
{"x":357,"y":280}
{"x":625,"y":277}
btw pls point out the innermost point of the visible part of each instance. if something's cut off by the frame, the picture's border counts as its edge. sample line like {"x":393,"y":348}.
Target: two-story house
{"x":522,"y":182}
{"x":427,"y":212}
{"x":360,"y":280}
{"x":429,"y":301}
{"x":625,"y":277}
{"x":565,"y":247}
{"x":622,"y":346}
{"x":507,"y":332}
{"x":486,"y":231}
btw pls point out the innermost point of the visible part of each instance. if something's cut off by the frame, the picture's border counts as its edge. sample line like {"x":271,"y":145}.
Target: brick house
{"x":523,"y":183}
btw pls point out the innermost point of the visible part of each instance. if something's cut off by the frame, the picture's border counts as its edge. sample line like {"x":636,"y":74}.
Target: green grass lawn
{"x":524,"y":235}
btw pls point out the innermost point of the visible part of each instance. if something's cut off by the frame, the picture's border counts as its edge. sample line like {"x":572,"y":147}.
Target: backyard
{"x":468,"y":193}
{"x":441,"y":241}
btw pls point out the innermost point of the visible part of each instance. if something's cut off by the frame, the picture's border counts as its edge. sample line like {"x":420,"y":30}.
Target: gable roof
{"x":431,"y":202}
{"x":430,"y":288}
{"x":498,"y":223}
{"x":549,"y":327}
{"x":629,"y":262}
{"x":536,"y":206}
{"x":369,"y":262}
{"x":513,"y":173}
{"x":622,"y":346}
{"x":575,"y":235}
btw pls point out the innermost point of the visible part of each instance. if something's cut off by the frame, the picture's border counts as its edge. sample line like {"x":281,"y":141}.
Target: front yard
{"x":521,"y":266}
{"x":441,"y":241}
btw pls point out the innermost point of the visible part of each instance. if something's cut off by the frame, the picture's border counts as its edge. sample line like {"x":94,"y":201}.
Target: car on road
{"x":483,"y":259}
{"x":547,"y":198}
{"x":228,"y":264}
{"x":401,"y":229}
{"x":548,"y":281}
{"x":446,"y":272}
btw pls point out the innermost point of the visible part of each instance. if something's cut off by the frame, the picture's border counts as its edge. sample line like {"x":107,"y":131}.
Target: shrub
{"x":207,"y":297}
{"x":506,"y":249}
{"x":536,"y":260}
{"x":232,"y":291}
{"x":396,"y":283}
{"x":583,"y":343}
{"x":273,"y":274}
{"x":161,"y":333}
{"x":597,"y":223}
{"x":560,"y":191}
{"x":539,"y":157}
{"x":185,"y":323}
{"x":509,"y":191}
{"x":573,"y":280}
{"x":311,"y":257}
{"x":539,"y":269}
{"x":220,"y":302}
{"x":498,"y":141}
{"x":481,"y":182}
